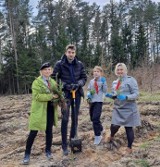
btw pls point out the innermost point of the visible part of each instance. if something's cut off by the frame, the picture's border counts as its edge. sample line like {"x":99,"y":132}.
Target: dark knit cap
{"x":45,"y":65}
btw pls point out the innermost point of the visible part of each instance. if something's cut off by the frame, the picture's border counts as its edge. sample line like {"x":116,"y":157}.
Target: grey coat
{"x":125,"y":113}
{"x":102,"y":87}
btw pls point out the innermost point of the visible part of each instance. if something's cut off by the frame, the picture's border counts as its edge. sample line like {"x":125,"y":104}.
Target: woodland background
{"x":128,"y":31}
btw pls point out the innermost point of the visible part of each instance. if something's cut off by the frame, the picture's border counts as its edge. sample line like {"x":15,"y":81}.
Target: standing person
{"x":125,"y":112}
{"x":96,"y":89}
{"x":72,"y":74}
{"x":43,"y":110}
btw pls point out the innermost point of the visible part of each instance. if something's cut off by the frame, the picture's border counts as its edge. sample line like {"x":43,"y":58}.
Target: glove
{"x":109,"y":95}
{"x":74,"y":86}
{"x":68,"y":87}
{"x":121,"y":97}
{"x":103,"y":80}
{"x":89,"y":96}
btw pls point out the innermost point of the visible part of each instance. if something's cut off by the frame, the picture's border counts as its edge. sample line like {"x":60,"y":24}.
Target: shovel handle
{"x":73,"y":94}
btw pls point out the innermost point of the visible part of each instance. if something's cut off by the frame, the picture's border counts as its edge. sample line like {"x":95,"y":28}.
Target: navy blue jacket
{"x":70,"y":74}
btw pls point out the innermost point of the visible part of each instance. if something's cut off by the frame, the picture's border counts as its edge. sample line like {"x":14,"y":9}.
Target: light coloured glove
{"x":89,"y":96}
{"x":103,"y":80}
{"x":109,"y":95}
{"x":122,"y":97}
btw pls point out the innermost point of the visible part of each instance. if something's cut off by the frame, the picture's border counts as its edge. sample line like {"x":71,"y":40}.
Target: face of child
{"x":46,"y":72}
{"x":97,"y":73}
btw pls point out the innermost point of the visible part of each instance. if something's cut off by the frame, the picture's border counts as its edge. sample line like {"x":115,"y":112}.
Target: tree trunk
{"x":0,"y":57}
{"x":13,"y":34}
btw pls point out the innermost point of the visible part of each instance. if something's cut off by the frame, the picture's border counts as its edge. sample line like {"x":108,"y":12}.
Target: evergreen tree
{"x":116,"y":40}
{"x":141,"y":47}
{"x":2,"y":37}
{"x":128,"y":31}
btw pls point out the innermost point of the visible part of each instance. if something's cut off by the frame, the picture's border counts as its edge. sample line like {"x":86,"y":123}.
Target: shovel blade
{"x":76,"y":145}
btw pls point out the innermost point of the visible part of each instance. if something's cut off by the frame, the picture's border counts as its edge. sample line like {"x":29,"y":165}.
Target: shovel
{"x":75,"y":143}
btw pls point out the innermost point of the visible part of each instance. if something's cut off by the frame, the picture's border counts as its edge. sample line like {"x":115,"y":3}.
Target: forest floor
{"x":13,"y":134}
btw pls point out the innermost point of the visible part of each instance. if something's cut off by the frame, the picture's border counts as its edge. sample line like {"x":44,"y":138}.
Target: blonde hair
{"x":123,"y":66}
{"x":98,"y":68}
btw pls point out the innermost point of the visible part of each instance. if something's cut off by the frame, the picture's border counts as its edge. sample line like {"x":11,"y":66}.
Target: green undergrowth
{"x":143,"y":97}
{"x":144,"y":145}
{"x":142,"y":163}
{"x":149,"y":97}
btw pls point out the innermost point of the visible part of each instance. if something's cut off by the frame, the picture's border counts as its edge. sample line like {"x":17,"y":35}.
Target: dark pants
{"x":95,"y":114}
{"x":129,"y":133}
{"x":74,"y":119}
{"x":33,"y":133}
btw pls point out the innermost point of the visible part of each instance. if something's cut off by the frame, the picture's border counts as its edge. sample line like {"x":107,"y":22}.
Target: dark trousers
{"x":33,"y":133}
{"x":95,"y":114}
{"x":129,"y":133}
{"x":74,"y":120}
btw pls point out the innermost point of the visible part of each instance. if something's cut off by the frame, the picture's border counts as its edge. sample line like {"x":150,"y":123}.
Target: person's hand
{"x":109,"y":95}
{"x":103,"y":80}
{"x":121,"y":97}
{"x":68,"y":87}
{"x":74,"y":86}
{"x":89,"y":96}
{"x":55,"y":96}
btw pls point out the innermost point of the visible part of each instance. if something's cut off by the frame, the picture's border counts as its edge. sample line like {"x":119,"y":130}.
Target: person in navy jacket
{"x":72,"y":74}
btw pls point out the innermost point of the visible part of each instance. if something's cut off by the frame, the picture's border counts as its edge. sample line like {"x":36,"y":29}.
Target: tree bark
{"x":13,"y":35}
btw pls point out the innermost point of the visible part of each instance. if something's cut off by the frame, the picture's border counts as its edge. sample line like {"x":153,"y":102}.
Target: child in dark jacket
{"x":97,"y":88}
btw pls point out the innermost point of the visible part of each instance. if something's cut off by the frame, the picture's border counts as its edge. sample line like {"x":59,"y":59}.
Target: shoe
{"x":127,"y":151}
{"x":97,"y":140}
{"x":26,"y":159}
{"x":65,"y":152}
{"x":48,"y":155}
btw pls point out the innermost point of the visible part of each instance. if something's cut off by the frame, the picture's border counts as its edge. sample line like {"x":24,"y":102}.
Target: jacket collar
{"x":64,"y":60}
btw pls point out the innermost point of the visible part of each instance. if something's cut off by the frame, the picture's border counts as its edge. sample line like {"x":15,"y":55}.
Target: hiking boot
{"x":97,"y":140}
{"x":65,"y":152}
{"x":48,"y":155}
{"x":26,"y":159}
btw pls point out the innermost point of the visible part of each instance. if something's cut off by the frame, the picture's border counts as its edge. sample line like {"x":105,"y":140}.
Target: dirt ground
{"x":13,"y":134}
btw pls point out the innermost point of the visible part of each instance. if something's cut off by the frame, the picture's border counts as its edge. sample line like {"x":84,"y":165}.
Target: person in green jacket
{"x":43,"y":114}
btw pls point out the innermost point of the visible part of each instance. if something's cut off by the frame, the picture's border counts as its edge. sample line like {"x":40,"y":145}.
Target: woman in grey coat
{"x":125,"y":112}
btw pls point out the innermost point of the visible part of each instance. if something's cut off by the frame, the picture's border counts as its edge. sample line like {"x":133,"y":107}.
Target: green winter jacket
{"x":40,"y":97}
